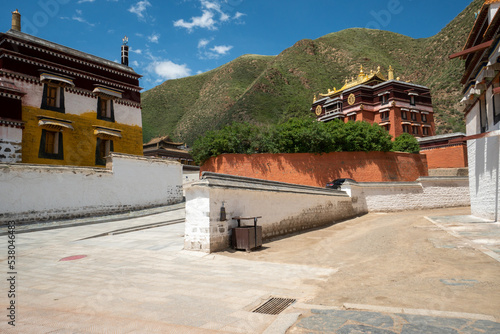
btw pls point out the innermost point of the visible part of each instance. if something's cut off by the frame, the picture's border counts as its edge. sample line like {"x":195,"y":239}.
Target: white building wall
{"x":127,"y":115}
{"x":10,"y":144}
{"x":39,"y":192}
{"x":484,"y":160}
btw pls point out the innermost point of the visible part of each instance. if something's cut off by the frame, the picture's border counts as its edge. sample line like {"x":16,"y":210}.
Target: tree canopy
{"x":299,"y":135}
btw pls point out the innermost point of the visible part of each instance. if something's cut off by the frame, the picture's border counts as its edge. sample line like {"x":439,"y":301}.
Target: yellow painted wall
{"x":79,"y":144}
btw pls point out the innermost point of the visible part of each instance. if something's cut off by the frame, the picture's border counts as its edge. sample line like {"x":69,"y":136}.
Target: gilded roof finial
{"x":314,"y":99}
{"x":391,"y":73}
{"x":378,"y":69}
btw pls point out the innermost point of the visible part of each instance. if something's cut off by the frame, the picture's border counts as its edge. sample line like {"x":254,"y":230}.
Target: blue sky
{"x":171,"y":39}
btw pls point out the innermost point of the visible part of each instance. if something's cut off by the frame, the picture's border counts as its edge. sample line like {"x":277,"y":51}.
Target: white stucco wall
{"x":484,"y":165}
{"x":10,"y":144}
{"x":37,"y":192}
{"x":284,"y":209}
{"x":425,"y":193}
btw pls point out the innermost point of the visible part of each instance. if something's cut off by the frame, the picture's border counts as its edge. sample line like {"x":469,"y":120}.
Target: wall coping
{"x":85,"y":169}
{"x":417,"y":183}
{"x":211,"y":179}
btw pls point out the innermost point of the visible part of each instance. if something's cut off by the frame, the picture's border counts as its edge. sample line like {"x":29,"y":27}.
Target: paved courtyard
{"x":121,"y":277}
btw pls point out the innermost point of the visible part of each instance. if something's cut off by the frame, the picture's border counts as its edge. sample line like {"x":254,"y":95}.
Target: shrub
{"x":406,"y":143}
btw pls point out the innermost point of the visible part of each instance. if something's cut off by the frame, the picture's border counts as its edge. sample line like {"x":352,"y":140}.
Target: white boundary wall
{"x":425,"y":193}
{"x":285,"y":208}
{"x":31,"y":192}
{"x":288,"y":208}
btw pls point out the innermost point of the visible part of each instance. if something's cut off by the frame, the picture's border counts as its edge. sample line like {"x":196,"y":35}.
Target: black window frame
{"x":496,"y":107}
{"x":45,"y":105}
{"x":111,"y":107}
{"x":98,"y":160}
{"x":60,"y":148}
{"x":412,"y":100}
{"x":483,"y":126}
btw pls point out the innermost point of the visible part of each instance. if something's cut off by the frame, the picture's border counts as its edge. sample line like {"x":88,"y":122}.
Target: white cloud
{"x":221,"y":49}
{"x":205,"y":21}
{"x":238,"y":15}
{"x":138,"y":51}
{"x":167,"y":69}
{"x":82,"y":1}
{"x":154,"y":38}
{"x":214,"y":52}
{"x":79,"y":18}
{"x":140,"y":8}
{"x":212,"y":15}
{"x":203,"y":43}
{"x":135,"y":63}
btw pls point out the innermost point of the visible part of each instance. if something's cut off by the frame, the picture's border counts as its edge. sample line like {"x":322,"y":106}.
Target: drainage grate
{"x":274,"y":305}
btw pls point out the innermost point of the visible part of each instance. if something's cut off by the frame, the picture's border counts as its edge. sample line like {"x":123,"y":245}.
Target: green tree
{"x":363,"y":136}
{"x":406,"y":143}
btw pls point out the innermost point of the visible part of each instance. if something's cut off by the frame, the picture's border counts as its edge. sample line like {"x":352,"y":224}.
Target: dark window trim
{"x":496,"y":110}
{"x":98,"y":160}
{"x":413,"y":100}
{"x":484,"y":126}
{"x":111,"y":106}
{"x":44,"y":105}
{"x":60,"y":152}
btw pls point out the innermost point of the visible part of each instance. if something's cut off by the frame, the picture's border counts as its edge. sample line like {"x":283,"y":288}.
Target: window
{"x":415,"y":130}
{"x":406,"y":128}
{"x":412,"y":100}
{"x":424,"y":118}
{"x":103,"y":148}
{"x":404,"y":115}
{"x":496,"y":105}
{"x":425,"y":131}
{"x":53,"y":98}
{"x":385,"y":115}
{"x":51,"y":145}
{"x":352,"y":118}
{"x":387,"y":127}
{"x":385,"y":98}
{"x":483,"y":116}
{"x":105,"y":109}
{"x":414,"y":116}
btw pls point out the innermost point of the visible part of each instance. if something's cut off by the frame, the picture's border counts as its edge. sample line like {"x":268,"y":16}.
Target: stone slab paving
{"x":481,"y":234}
{"x":71,"y":282}
{"x":80,"y":279}
{"x":354,"y":321}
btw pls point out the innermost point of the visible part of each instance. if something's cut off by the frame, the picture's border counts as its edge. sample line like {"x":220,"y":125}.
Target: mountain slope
{"x":267,"y":89}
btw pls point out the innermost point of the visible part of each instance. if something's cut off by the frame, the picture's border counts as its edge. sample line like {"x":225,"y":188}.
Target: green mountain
{"x":269,"y":89}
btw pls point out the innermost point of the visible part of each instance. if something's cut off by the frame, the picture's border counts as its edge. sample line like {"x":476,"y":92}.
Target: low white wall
{"x":425,"y":193}
{"x":31,"y":192}
{"x":285,"y":208}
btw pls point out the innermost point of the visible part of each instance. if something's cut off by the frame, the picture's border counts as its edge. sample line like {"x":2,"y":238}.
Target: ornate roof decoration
{"x":362,"y":78}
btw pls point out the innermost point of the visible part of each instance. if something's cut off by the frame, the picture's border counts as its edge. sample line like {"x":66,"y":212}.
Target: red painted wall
{"x":446,"y":157}
{"x":318,"y":169}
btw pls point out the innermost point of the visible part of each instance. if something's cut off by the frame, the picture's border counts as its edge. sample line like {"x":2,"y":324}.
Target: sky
{"x":171,"y":39}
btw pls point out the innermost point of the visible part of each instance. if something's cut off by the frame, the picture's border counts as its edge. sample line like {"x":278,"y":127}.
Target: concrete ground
{"x":430,"y":271}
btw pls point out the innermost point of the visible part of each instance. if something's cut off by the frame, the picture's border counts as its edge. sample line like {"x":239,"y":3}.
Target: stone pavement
{"x":97,"y":278}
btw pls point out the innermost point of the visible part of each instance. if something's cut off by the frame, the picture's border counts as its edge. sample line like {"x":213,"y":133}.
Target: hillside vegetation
{"x":265,"y":90}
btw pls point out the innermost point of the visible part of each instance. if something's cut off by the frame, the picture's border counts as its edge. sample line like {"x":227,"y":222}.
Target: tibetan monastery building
{"x":396,"y":105}
{"x":60,"y":106}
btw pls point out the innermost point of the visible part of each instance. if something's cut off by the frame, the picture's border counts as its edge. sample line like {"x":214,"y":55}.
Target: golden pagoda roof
{"x":359,"y":80}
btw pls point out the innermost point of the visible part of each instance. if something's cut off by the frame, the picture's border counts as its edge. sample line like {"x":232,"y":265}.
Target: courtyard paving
{"x":128,"y":276}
